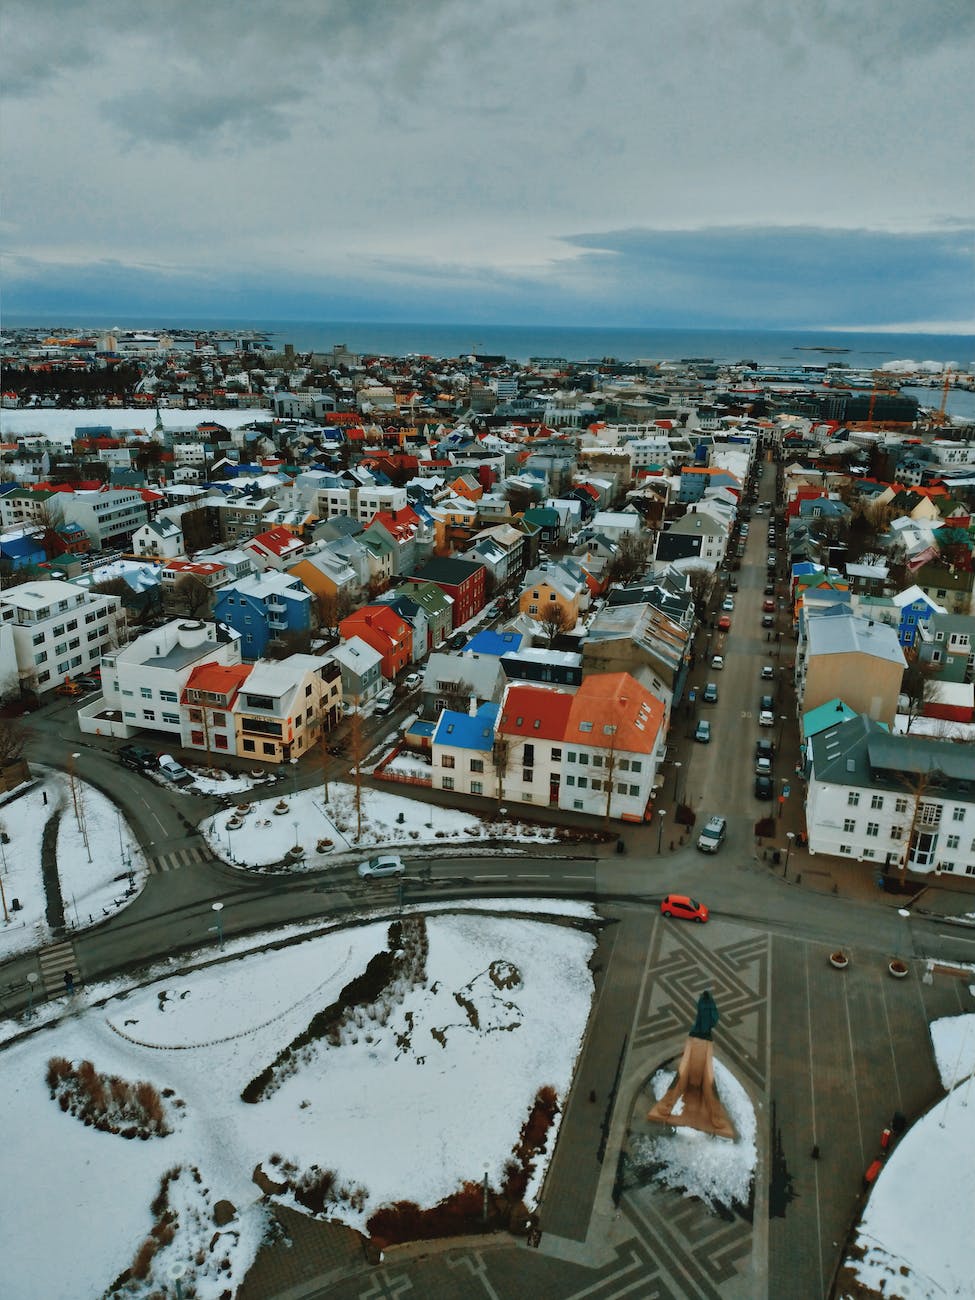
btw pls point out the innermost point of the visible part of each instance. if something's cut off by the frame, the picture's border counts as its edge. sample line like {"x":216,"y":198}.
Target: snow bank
{"x":953,"y":1038}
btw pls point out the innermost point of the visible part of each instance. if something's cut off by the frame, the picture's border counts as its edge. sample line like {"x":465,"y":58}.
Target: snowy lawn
{"x":388,"y":820}
{"x":953,"y":1038}
{"x":717,"y":1170}
{"x":914,"y":1240}
{"x":410,"y":1096}
{"x":95,"y":851}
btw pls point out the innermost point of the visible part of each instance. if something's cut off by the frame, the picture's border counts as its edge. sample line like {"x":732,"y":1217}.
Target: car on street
{"x":764,"y":749}
{"x":766,"y":702}
{"x":687,"y":909}
{"x":768,"y":672}
{"x":763,"y":767}
{"x":712,"y":836}
{"x":744,"y":530}
{"x":763,"y":787}
{"x":384,"y":864}
{"x":768,"y":620}
{"x":717,"y":662}
{"x":703,"y":732}
{"x":412,"y":680}
{"x":768,"y":605}
{"x":138,"y":759}
{"x":173,"y":771}
{"x":770,"y":589}
{"x":71,"y":688}
{"x":724,"y":623}
{"x":766,"y":718}
{"x":732,"y":584}
{"x":458,"y":641}
{"x":711,"y":693}
{"x":728,"y":603}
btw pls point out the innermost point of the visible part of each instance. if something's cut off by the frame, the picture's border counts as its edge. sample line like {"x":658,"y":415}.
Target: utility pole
{"x":356,"y":737}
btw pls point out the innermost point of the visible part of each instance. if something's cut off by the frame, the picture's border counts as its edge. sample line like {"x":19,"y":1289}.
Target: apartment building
{"x":59,"y":630}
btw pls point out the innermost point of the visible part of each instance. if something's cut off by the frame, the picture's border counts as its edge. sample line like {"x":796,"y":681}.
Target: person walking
{"x":69,"y":982}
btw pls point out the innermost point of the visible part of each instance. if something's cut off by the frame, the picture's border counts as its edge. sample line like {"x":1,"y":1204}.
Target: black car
{"x":768,"y":620}
{"x":764,"y":749}
{"x":140,"y":760}
{"x":763,"y":787}
{"x":770,"y":589}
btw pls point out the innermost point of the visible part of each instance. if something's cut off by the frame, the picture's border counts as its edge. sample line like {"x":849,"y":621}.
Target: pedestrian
{"x":69,"y":981}
{"x":815,"y":1152}
{"x":592,"y":1094}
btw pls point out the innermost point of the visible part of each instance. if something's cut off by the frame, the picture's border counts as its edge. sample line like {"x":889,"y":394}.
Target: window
{"x":171,"y":718}
{"x":636,"y":765}
{"x":953,"y":842}
{"x":533,"y":609}
{"x":869,"y":853}
{"x":583,"y":782}
{"x":577,"y":804}
{"x":269,"y":749}
{"x":958,"y":815}
{"x":447,"y":760}
{"x":597,"y":760}
{"x":196,"y":737}
{"x":528,"y":756}
{"x":248,"y":746}
{"x":477,"y":764}
{"x":597,"y":785}
{"x":145,"y":692}
{"x":634,"y":791}
{"x":40,"y":658}
{"x":556,"y":756}
{"x":876,"y":801}
{"x":849,"y":825}
{"x":585,"y":726}
{"x":570,"y":780}
{"x":853,"y":799}
{"x":609,"y":729}
{"x":846,"y":848}
{"x":39,"y":639}
{"x":873,"y":829}
{"x":930,"y":814}
{"x":900,"y":805}
{"x":571,"y":756}
{"x":149,"y":715}
{"x":448,"y":783}
{"x":169,"y":697}
{"x":583,"y":760}
{"x":897,"y":832}
{"x":477,"y":787}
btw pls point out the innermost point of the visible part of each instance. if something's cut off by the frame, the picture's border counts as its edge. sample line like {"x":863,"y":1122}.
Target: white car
{"x":768,"y":672}
{"x":766,"y":718}
{"x":385,"y":864}
{"x":717,"y":662}
{"x":173,"y":771}
{"x":412,"y":681}
{"x":728,"y":604}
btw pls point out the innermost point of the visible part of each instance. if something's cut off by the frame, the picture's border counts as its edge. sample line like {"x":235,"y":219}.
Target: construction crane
{"x":938,"y":418}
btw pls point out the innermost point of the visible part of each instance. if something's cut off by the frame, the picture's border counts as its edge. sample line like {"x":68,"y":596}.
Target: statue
{"x":694,"y":1085}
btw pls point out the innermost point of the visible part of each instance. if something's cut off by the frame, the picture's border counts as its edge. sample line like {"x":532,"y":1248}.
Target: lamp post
{"x":217,"y":908}
{"x":661,"y":816}
{"x":677,"y":767}
{"x":32,"y":979}
{"x":782,"y":722}
{"x":790,"y":836}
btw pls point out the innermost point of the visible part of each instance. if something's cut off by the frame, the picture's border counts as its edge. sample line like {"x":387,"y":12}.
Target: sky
{"x":719,"y":163}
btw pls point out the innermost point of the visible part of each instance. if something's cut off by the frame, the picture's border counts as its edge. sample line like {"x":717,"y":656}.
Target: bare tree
{"x":631,"y":558}
{"x":553,"y":620}
{"x":919,"y":686}
{"x":192,"y":593}
{"x":12,"y":739}
{"x":702,"y":583}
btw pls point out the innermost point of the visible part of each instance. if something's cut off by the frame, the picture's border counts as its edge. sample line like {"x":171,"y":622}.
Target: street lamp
{"x":217,"y":908}
{"x":32,"y":979}
{"x":790,"y":836}
{"x":660,"y":828}
{"x":677,"y":767}
{"x":782,"y":721}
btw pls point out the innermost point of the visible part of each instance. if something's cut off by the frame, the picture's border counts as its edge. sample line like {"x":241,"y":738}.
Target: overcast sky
{"x":600,"y":162}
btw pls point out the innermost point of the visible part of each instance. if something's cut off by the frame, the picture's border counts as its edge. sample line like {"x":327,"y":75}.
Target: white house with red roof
{"x":613,"y":746}
{"x":529,"y":744}
{"x":275,"y":549}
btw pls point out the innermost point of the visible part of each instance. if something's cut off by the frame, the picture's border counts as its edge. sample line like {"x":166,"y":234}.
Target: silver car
{"x":385,"y":864}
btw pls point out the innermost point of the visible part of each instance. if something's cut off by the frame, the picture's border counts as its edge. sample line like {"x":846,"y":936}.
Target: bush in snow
{"x":107,"y":1102}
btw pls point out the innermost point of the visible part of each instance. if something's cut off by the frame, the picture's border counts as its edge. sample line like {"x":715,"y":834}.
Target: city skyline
{"x":626,"y":165}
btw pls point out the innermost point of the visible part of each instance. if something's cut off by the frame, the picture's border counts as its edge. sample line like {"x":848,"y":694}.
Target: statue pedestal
{"x":694,"y":1084}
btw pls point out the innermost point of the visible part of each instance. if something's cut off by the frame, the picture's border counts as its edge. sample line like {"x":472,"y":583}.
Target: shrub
{"x":143,"y":1259}
{"x":57,"y":1068}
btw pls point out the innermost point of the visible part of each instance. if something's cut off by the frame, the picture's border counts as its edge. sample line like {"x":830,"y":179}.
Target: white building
{"x":59,"y":630}
{"x":162,"y":538}
{"x":891,"y":800}
{"x":108,"y":515}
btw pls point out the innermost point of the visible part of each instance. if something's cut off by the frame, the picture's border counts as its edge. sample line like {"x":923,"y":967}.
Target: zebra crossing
{"x":179,"y":858}
{"x":53,"y":963}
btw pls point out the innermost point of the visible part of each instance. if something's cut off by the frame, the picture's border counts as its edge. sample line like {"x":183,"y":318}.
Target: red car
{"x":686,"y":908}
{"x":724,"y":623}
{"x":768,"y":606}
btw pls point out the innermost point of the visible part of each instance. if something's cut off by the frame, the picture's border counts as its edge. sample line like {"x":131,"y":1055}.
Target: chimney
{"x":472,"y":707}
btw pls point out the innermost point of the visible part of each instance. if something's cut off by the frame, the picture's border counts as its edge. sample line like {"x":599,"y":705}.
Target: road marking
{"x":533,"y":875}
{"x":956,"y":937}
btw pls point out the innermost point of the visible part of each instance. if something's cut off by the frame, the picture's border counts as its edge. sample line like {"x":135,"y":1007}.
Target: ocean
{"x":578,"y":343}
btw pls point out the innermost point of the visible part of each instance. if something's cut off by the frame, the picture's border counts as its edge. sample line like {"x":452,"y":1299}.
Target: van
{"x":712,"y":836}
{"x":385,"y":703}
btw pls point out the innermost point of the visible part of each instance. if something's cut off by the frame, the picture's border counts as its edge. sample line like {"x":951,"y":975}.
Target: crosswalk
{"x":53,"y":963}
{"x":179,"y":858}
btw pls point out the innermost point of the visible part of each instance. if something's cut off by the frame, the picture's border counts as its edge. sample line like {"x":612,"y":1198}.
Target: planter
{"x":280,"y":808}
{"x":257,"y":772}
{"x":295,"y":852}
{"x":242,"y":809}
{"x":234,"y":823}
{"x":839,"y":960}
{"x":324,"y":846}
{"x":898,"y":969}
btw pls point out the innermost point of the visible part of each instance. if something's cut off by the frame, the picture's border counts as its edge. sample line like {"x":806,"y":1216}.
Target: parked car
{"x":724,"y":623}
{"x":70,"y":688}
{"x":766,"y":702}
{"x":763,"y":767}
{"x":140,"y":760}
{"x":412,"y":680}
{"x":768,"y":605}
{"x":712,"y":836}
{"x":732,"y":584}
{"x":766,"y":718}
{"x":703,"y":732}
{"x":728,"y":603}
{"x":385,"y":703}
{"x":770,"y":589}
{"x":710,"y":693}
{"x":768,"y":673}
{"x":763,"y":787}
{"x":458,"y":641}
{"x":768,"y":620}
{"x":764,"y":749}
{"x":173,"y":771}
{"x":688,"y":909}
{"x":384,"y":864}
{"x":717,"y":662}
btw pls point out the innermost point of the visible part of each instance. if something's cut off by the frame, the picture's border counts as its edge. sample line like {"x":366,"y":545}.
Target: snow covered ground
{"x":717,"y":1170}
{"x":94,"y":859}
{"x":59,"y":425}
{"x":388,"y":820}
{"x":914,"y":1239}
{"x":938,"y":728}
{"x":423,"y":1092}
